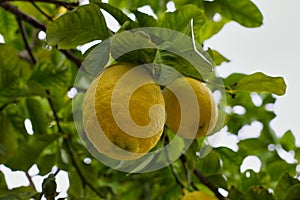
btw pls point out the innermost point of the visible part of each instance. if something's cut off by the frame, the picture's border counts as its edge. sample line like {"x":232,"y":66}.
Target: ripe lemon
{"x":198,"y":195}
{"x":196,"y":118}
{"x":123,"y":112}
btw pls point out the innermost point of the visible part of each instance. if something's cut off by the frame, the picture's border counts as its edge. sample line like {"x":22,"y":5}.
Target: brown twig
{"x":204,"y":180}
{"x":25,"y":40}
{"x":41,"y":11}
{"x":69,"y":149}
{"x":68,"y":5}
{"x":30,"y":180}
{"x":35,"y":23}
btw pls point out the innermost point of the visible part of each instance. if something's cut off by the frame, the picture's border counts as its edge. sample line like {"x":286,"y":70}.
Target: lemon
{"x":198,"y":195}
{"x":123,"y":112}
{"x":195,"y":118}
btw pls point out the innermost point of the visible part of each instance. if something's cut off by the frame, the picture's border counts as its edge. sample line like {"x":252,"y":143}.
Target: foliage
{"x":36,"y":75}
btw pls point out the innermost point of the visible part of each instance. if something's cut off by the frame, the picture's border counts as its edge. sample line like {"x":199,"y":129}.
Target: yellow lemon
{"x":198,"y":195}
{"x":123,"y":112}
{"x":191,"y":110}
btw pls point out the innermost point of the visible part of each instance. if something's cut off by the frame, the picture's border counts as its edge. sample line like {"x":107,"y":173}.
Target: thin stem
{"x":25,"y":39}
{"x":41,"y":11}
{"x":204,"y":180}
{"x":30,"y":180}
{"x":69,"y":149}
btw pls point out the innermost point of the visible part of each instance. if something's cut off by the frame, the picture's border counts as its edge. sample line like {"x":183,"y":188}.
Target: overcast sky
{"x":273,"y":49}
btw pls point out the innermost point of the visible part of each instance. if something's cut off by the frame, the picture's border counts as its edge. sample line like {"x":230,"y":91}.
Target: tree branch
{"x":35,"y":23}
{"x":30,"y":180}
{"x":24,"y":36}
{"x":69,"y":149}
{"x":203,"y":180}
{"x":68,"y":5}
{"x":41,"y":11}
{"x":21,"y":15}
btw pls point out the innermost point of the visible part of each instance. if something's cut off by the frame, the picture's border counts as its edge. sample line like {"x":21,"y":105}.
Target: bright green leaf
{"x":144,"y":20}
{"x":217,"y":57}
{"x":244,"y":12}
{"x":259,"y":82}
{"x":182,"y":17}
{"x":77,"y":27}
{"x":288,"y":141}
{"x":115,"y":12}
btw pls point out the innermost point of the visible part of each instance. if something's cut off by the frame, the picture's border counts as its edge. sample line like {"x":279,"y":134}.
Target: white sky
{"x":273,"y":49}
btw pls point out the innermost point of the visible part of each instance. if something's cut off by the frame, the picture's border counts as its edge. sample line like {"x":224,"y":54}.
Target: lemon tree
{"x":46,"y":44}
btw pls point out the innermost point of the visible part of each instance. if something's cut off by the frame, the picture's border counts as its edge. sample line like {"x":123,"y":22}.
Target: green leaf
{"x":278,"y":167}
{"x":293,"y":193}
{"x":182,"y":17}
{"x":244,"y":12}
{"x":259,"y":82}
{"x":288,"y":141}
{"x":257,"y":192}
{"x":250,"y":178}
{"x":115,"y":12}
{"x":135,"y":47}
{"x":28,"y":152}
{"x":8,"y":139}
{"x":217,"y":57}
{"x":45,"y":163}
{"x":96,"y":60}
{"x":210,"y":164}
{"x":234,"y":193}
{"x":37,"y":116}
{"x":20,"y":193}
{"x":50,"y":75}
{"x":78,"y":27}
{"x":8,"y":26}
{"x":284,"y":184}
{"x":144,"y":20}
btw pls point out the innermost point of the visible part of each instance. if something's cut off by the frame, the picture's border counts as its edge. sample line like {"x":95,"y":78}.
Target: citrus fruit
{"x":198,"y":195}
{"x":194,"y":118}
{"x":123,"y":112}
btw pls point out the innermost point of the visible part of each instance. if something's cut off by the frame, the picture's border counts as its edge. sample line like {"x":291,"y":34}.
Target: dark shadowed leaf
{"x":293,"y":193}
{"x":257,"y":192}
{"x":284,"y":184}
{"x":28,"y":153}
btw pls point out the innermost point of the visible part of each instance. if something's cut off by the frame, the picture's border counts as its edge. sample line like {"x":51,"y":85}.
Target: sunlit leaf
{"x":244,"y":12}
{"x":77,"y":27}
{"x":259,"y":82}
{"x":288,"y":141}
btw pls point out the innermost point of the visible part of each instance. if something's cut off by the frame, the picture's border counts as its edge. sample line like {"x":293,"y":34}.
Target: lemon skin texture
{"x":207,"y":109}
{"x":105,"y":113}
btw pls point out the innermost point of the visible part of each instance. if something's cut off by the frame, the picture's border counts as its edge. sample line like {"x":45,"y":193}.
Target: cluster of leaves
{"x":37,"y":74}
